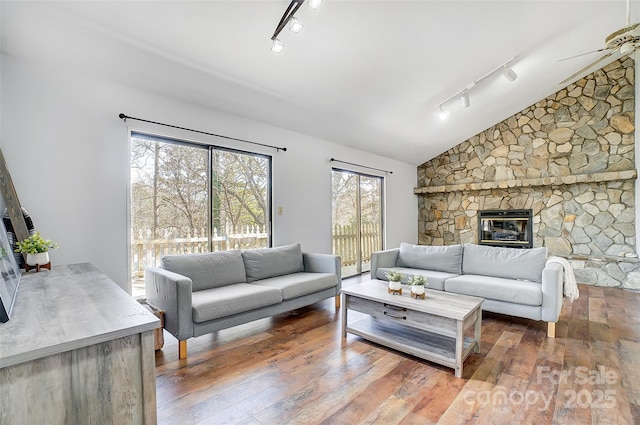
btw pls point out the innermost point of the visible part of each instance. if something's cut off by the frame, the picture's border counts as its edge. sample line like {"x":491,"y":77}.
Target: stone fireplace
{"x":569,"y":159}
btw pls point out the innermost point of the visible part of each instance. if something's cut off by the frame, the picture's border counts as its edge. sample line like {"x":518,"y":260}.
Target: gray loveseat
{"x":203,"y":293}
{"x":516,"y":282}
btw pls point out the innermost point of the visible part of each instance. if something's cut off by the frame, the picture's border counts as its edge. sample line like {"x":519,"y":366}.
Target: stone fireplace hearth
{"x":569,"y":158}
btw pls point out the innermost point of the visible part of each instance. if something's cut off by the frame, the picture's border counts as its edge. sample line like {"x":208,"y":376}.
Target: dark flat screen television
{"x":9,"y":276}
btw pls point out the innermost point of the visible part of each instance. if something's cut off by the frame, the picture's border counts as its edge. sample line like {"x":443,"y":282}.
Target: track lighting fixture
{"x":288,"y":18}
{"x":506,"y":71}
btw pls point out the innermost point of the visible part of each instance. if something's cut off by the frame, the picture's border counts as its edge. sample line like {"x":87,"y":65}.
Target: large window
{"x":357,"y":219}
{"x":190,"y":198}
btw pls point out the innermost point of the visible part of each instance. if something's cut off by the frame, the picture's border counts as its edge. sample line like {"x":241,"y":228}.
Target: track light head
{"x":443,"y":114}
{"x":509,"y":73}
{"x":464,"y":98}
{"x":314,"y":4}
{"x":277,"y":46}
{"x":295,"y":25}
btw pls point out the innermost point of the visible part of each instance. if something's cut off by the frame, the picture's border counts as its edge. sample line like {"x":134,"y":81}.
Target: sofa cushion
{"x":209,"y":270}
{"x":508,"y":263}
{"x":435,"y":279}
{"x":271,"y":262}
{"x":446,"y":259}
{"x":224,"y":301}
{"x":298,"y":284}
{"x":495,"y":288}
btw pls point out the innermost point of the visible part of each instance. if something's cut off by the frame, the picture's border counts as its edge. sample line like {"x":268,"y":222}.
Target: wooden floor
{"x":296,"y":369}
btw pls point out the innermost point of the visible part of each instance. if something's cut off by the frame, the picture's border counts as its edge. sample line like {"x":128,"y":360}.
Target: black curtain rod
{"x":125,"y":118}
{"x":363,"y":166}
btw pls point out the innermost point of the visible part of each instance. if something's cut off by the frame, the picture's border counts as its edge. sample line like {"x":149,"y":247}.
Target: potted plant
{"x":395,"y":282}
{"x":37,"y":249}
{"x":417,"y":283}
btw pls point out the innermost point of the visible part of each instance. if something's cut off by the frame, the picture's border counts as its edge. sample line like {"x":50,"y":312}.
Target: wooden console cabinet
{"x":77,"y":350}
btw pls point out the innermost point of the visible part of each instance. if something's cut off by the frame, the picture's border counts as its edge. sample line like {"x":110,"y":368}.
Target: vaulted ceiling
{"x":366,"y":74}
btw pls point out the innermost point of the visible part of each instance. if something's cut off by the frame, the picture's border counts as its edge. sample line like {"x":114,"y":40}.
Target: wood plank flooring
{"x":295,"y":369}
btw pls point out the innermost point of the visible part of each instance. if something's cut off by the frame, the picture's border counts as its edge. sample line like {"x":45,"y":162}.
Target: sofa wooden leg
{"x":337,"y":301}
{"x":182,"y":349}
{"x":551,"y":329}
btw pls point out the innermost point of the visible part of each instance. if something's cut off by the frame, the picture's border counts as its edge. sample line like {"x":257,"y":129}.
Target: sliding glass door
{"x":191,"y":198}
{"x":357,"y":219}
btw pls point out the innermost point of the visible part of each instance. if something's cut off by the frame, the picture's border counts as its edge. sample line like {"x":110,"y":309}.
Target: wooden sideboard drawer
{"x":406,"y":316}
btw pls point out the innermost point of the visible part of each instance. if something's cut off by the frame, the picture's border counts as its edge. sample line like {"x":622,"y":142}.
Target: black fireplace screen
{"x":511,"y":228}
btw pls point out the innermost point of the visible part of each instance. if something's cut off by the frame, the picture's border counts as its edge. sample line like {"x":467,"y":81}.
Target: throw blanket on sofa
{"x":570,"y":286}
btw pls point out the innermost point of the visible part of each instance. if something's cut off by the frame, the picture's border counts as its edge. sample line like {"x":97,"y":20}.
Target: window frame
{"x":382,"y":204}
{"x":210,"y":147}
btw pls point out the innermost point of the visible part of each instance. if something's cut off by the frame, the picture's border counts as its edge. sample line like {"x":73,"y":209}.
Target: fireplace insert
{"x":506,"y":228}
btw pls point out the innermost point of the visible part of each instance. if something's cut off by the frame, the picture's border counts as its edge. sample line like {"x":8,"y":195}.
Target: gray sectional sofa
{"x":516,"y":282}
{"x":203,"y":293}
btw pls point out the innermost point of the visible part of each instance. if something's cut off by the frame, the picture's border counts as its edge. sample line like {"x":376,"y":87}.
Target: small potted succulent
{"x":417,"y":282}
{"x":37,"y":249}
{"x":395,"y":282}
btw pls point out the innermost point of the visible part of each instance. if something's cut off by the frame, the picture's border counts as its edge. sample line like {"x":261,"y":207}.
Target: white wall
{"x":67,"y":152}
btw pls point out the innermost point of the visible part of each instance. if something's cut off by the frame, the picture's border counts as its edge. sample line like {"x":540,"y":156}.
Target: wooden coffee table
{"x":433,"y":328}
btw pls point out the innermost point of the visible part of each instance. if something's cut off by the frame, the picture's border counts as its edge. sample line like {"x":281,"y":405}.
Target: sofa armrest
{"x":386,"y":259}
{"x":322,"y":263}
{"x":552,"y":286}
{"x":171,"y":292}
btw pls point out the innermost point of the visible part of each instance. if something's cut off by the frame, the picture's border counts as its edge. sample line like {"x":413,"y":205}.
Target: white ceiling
{"x":366,"y":74}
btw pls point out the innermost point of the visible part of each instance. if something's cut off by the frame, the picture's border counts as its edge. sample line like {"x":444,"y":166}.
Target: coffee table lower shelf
{"x":426,"y":345}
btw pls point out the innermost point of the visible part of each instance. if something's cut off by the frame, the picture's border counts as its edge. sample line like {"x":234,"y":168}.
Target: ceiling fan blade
{"x":589,"y":66}
{"x":582,"y":54}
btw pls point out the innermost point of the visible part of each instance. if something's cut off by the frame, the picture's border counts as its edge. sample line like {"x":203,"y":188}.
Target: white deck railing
{"x":147,"y":251}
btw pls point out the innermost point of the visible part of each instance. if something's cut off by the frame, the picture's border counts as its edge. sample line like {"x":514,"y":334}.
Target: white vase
{"x":395,"y":286}
{"x":417,"y":289}
{"x":40,"y":258}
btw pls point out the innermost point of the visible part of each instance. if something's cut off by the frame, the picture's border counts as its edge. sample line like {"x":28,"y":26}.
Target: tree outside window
{"x":188,"y":198}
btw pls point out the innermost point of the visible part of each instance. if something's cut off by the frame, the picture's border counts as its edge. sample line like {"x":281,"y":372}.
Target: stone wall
{"x":569,"y":158}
